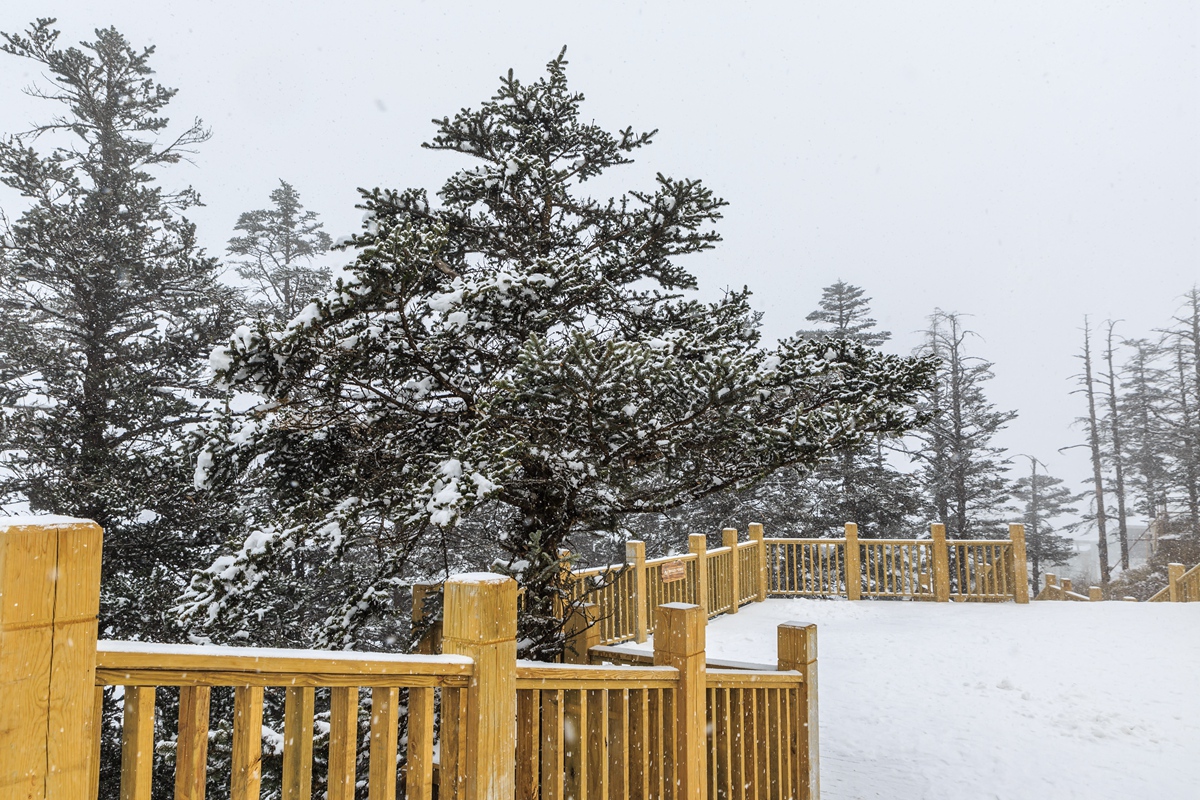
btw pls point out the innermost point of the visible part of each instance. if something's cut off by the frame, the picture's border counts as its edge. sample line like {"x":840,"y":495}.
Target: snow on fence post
{"x":480,"y":621}
{"x":1016,"y":533}
{"x":1174,"y":576}
{"x":698,"y":544}
{"x":853,"y":563}
{"x":49,"y":599}
{"x":583,"y":633}
{"x":635,"y":557}
{"x":797,"y":650}
{"x":679,"y":643}
{"x":755,"y":532}
{"x":1095,"y":593}
{"x":729,"y":537}
{"x":941,"y":563}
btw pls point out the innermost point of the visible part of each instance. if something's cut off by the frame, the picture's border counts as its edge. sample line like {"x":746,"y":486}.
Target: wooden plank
{"x":451,"y":745}
{"x":553,"y":748}
{"x":618,"y":744}
{"x":343,"y":741}
{"x":95,"y":729}
{"x":155,"y":677}
{"x":528,"y":744}
{"x":191,"y":747}
{"x":681,"y":645}
{"x":941,"y":564}
{"x":418,"y":776}
{"x":137,"y":744}
{"x":192,"y":658}
{"x":246,"y":771}
{"x":298,"y":743}
{"x":385,"y":717}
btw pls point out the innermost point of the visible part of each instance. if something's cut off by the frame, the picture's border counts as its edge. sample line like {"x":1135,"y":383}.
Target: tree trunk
{"x":1118,"y":453}
{"x":1094,"y":444}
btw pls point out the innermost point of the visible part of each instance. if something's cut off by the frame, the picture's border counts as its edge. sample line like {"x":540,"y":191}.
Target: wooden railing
{"x":627,"y":596}
{"x":1064,"y":590}
{"x":480,"y":725}
{"x":1182,"y":586}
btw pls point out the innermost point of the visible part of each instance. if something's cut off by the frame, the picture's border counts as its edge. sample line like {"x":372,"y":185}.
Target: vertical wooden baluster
{"x":727,"y":721}
{"x":385,"y":717}
{"x":553,"y":747}
{"x":574,"y":739}
{"x":418,"y":770}
{"x":137,"y":743}
{"x":712,"y":736}
{"x":655,"y":729}
{"x":191,"y":750}
{"x":343,"y":741}
{"x":638,"y":745}
{"x":95,"y":729}
{"x":596,"y":705}
{"x":451,"y":744}
{"x":246,"y":772}
{"x":618,"y":744}
{"x":528,"y":744}
{"x":297,"y":742}
{"x":737,"y":737}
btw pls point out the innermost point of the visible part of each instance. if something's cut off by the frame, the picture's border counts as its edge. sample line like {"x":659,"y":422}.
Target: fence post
{"x":853,"y":563}
{"x":1095,"y":593}
{"x":679,"y":643}
{"x":49,"y":598}
{"x":583,"y":633}
{"x":941,"y":563}
{"x":480,"y":621}
{"x":756,"y":534}
{"x":1174,"y":576}
{"x":797,"y":649}
{"x":1066,"y":587}
{"x":635,"y":556}
{"x":698,"y":544}
{"x":1016,"y":533}
{"x":729,"y":538}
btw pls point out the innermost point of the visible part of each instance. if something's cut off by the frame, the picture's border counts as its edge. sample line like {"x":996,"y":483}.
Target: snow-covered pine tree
{"x":519,"y":349}
{"x":854,"y":484}
{"x":960,"y":469}
{"x":275,"y":254}
{"x":1142,"y":407}
{"x":107,"y":308}
{"x":1042,"y":498}
{"x":1182,"y":393}
{"x":846,"y":313}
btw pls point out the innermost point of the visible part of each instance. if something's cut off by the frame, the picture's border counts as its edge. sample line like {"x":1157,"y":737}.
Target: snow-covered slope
{"x":956,"y":701}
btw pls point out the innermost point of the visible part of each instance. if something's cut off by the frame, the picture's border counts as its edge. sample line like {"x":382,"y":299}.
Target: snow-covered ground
{"x":956,"y":701}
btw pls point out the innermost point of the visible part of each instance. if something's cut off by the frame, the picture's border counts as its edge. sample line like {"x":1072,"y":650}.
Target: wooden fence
{"x":1183,"y":585}
{"x":481,"y":725}
{"x":721,"y":580}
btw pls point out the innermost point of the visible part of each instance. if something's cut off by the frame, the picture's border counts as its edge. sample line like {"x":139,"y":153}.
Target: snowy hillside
{"x":1063,"y":700}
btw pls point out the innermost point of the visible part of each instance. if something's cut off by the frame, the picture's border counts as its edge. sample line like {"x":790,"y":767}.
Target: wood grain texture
{"x":418,"y":776}
{"x":941,"y":564}
{"x":298,"y":742}
{"x":679,"y":643}
{"x":797,"y":649}
{"x":385,"y":717}
{"x":191,"y":748}
{"x":246,"y":772}
{"x":137,"y":744}
{"x":343,"y":741}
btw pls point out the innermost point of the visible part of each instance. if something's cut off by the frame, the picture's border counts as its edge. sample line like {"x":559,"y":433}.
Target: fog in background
{"x":1024,"y":163}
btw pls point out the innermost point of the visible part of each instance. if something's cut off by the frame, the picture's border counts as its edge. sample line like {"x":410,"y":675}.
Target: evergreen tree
{"x":1142,"y":407}
{"x":847,"y":314}
{"x":106,"y":308}
{"x":276,"y":252}
{"x":1043,"y":498}
{"x":521,"y":352}
{"x":1182,"y":394}
{"x":960,"y":469}
{"x":1114,"y":436}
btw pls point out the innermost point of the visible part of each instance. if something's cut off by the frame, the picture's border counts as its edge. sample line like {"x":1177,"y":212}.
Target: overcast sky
{"x":1025,"y":163}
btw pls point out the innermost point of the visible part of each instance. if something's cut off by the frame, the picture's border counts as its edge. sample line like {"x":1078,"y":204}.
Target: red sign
{"x":673,"y":571}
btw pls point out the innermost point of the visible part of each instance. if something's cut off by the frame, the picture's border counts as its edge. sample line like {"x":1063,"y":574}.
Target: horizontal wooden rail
{"x":1183,"y":586}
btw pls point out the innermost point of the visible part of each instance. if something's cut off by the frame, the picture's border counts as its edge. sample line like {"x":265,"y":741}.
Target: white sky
{"x":1022,"y":162}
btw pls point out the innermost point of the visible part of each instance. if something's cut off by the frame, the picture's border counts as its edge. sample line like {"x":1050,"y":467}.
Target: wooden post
{"x":1016,"y":534}
{"x":583,"y":633}
{"x":853,"y":563}
{"x":698,"y":544}
{"x":1095,"y":593}
{"x":1174,"y":576}
{"x":756,"y":535}
{"x":635,"y":557}
{"x":679,"y":643}
{"x":941,"y":563}
{"x":1066,"y":587}
{"x":49,"y":598}
{"x":480,"y":621}
{"x":729,"y":538}
{"x":797,"y":649}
